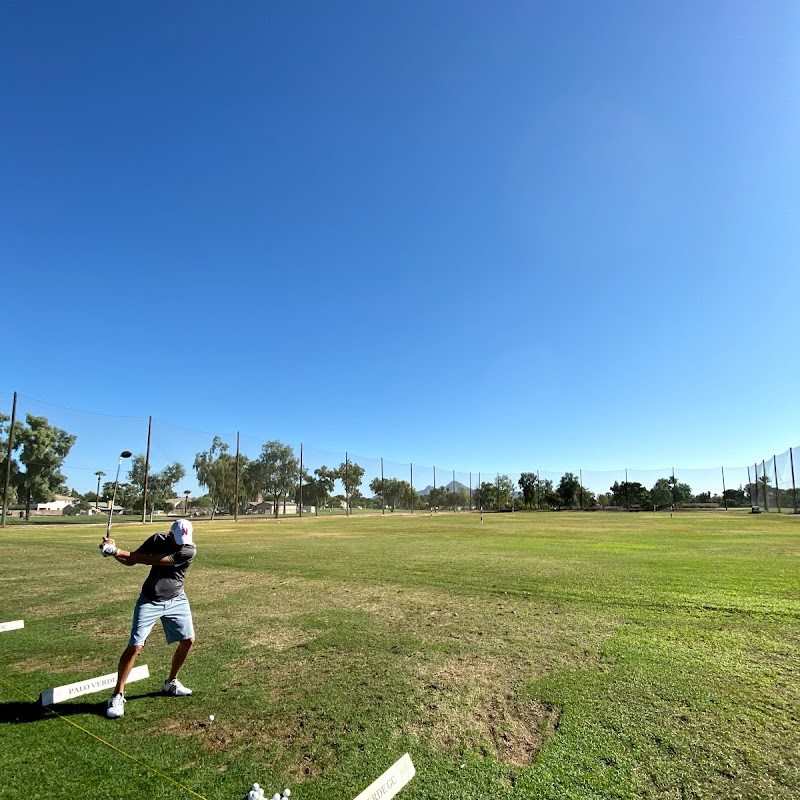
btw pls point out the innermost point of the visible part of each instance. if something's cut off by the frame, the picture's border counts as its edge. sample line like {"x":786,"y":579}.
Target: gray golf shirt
{"x":166,"y":582}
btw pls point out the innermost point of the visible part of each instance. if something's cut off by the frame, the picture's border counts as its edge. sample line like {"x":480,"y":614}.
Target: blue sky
{"x":493,"y":236}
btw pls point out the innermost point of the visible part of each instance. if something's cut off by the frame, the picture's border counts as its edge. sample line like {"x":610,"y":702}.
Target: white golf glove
{"x":108,"y":550}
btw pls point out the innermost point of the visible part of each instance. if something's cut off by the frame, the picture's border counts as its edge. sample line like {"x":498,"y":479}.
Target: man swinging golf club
{"x":162,"y":598}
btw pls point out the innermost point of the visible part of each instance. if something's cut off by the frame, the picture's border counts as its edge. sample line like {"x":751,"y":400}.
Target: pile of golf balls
{"x":257,"y":793}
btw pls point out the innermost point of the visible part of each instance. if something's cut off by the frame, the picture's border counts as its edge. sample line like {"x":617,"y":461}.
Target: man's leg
{"x":180,"y":655}
{"x":126,"y":662}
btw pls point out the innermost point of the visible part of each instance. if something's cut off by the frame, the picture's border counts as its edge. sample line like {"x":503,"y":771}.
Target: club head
{"x":125,"y":454}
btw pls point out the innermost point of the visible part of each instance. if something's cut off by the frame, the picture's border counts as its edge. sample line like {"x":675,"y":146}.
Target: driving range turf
{"x":536,"y":655}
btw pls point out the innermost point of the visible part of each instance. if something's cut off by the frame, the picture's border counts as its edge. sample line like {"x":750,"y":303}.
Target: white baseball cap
{"x":181,"y":531}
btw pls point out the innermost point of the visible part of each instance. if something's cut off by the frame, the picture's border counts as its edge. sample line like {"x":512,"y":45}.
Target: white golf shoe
{"x":116,"y":706}
{"x":175,"y":688}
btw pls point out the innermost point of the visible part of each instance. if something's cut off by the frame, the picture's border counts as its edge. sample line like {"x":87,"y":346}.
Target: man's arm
{"x":129,"y":559}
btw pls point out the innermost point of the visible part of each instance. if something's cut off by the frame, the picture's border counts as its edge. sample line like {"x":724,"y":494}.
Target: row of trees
{"x":232,"y":483}
{"x":275,"y":474}
{"x":665,"y":493}
{"x":34,"y":468}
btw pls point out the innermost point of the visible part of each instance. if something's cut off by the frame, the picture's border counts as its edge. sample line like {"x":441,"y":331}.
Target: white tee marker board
{"x":62,"y":693}
{"x":11,"y":626}
{"x":391,"y":782}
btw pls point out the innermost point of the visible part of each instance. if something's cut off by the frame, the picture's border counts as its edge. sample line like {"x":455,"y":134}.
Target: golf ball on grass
{"x":210,"y":717}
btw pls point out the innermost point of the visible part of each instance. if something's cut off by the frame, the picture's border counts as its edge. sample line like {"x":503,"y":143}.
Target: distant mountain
{"x":453,"y":486}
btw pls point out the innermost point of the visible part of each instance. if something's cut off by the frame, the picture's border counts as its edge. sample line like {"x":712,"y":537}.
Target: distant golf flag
{"x":11,"y":626}
{"x":391,"y":782}
{"x":62,"y":693}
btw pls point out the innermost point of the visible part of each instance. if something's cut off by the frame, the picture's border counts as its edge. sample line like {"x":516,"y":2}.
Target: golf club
{"x":123,"y":454}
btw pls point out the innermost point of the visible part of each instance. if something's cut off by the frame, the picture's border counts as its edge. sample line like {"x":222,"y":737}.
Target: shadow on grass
{"x":17,"y":713}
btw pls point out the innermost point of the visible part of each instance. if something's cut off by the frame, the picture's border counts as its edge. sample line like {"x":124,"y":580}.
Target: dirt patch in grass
{"x":304,"y":768}
{"x":213,"y":735}
{"x":101,"y":630}
{"x":281,"y":639}
{"x":514,"y":731}
{"x":465,"y":660}
{"x":471,"y":703}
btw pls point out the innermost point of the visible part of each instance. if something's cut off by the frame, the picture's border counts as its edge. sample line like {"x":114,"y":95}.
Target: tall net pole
{"x":146,"y":470}
{"x":236,"y":490}
{"x":724,"y":495}
{"x":627,"y":499}
{"x":301,"y":480}
{"x":777,"y":485}
{"x":8,"y":459}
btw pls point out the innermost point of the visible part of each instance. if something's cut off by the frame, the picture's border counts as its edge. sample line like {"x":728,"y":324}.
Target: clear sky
{"x":489,"y":236}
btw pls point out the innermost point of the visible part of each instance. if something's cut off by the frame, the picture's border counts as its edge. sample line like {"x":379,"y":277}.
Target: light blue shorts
{"x":175,"y":616}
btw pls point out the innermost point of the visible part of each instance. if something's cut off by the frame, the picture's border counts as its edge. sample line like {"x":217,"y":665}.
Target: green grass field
{"x":532,"y":655}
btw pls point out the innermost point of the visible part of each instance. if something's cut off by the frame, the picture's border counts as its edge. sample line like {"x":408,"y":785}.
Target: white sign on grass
{"x":11,"y":626}
{"x":391,"y":782}
{"x":62,"y":693}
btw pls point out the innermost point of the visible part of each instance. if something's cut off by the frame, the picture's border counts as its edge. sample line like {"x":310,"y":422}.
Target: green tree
{"x":553,"y":499}
{"x":380,"y":488}
{"x":505,"y":490}
{"x":323,"y":483}
{"x":457,"y":499}
{"x":604,"y":499}
{"x":315,"y":488}
{"x":128,"y":495}
{"x":569,"y":488}
{"x":544,"y":489}
{"x":496,"y":494}
{"x":275,"y":473}
{"x":160,"y":485}
{"x":629,"y":494}
{"x":43,"y":448}
{"x":350,"y":475}
{"x":681,"y":492}
{"x":484,"y":495}
{"x":390,"y":492}
{"x":395,"y":492}
{"x":5,"y":432}
{"x":661,"y":494}
{"x":216,"y":471}
{"x":437,"y":497}
{"x":528,"y":482}
{"x":737,"y":497}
